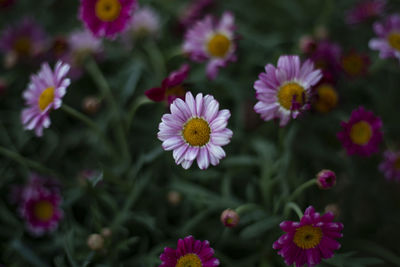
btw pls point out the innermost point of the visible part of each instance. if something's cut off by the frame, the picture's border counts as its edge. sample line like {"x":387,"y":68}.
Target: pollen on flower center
{"x":22,"y":46}
{"x":291,"y":93}
{"x":108,"y":10}
{"x":219,"y":45}
{"x":189,"y":260}
{"x":45,"y":98}
{"x":43,"y":210}
{"x":307,"y":237}
{"x":394,"y":40}
{"x":196,"y":132}
{"x":352,"y":64}
{"x":361,"y":133}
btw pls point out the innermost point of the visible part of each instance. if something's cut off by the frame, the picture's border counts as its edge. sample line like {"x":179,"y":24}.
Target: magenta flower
{"x":24,"y":40}
{"x":310,"y":240}
{"x":189,"y":252}
{"x":212,"y":41}
{"x":44,"y":93}
{"x":195,"y":129}
{"x":326,"y":179}
{"x":326,"y":57}
{"x":362,"y":134}
{"x":194,"y":12}
{"x":285,"y":91}
{"x":106,"y":18}
{"x":171,"y":87}
{"x":388,"y":41}
{"x":391,"y":165}
{"x":365,"y":10}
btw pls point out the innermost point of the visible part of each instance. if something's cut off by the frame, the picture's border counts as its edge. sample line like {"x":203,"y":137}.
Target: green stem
{"x":156,"y":59}
{"x":134,"y":107}
{"x":301,"y":188}
{"x":25,"y":162}
{"x":247,"y":207}
{"x":292,"y":206}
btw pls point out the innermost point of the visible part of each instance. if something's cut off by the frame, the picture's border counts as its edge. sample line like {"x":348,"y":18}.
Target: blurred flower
{"x":24,"y":40}
{"x":307,"y":44}
{"x":310,"y":240}
{"x":195,"y":129}
{"x":189,"y":252}
{"x":171,"y":87}
{"x":174,"y":197}
{"x":391,"y":165}
{"x":90,"y":175}
{"x":230,"y":218}
{"x":145,"y":23}
{"x":326,"y":98}
{"x":365,"y":10}
{"x":106,"y":18}
{"x":44,"y":93}
{"x":284,"y":92}
{"x":388,"y":41}
{"x":326,"y":179}
{"x":91,"y":104}
{"x":321,"y":32}
{"x":212,"y":40}
{"x":326,"y":57}
{"x":59,"y":47}
{"x":362,"y":134}
{"x":355,"y":64}
{"x":95,"y":242}
{"x":106,"y":232}
{"x":333,"y":208}
{"x":194,"y":12}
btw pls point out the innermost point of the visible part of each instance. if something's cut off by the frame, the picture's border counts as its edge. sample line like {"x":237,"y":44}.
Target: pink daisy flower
{"x":106,"y":18}
{"x":388,"y":41}
{"x":362,"y":134}
{"x":24,"y":40}
{"x":145,"y":22}
{"x":285,"y":91}
{"x":212,"y":41}
{"x":44,"y":93}
{"x":391,"y":165}
{"x":365,"y":10}
{"x":195,"y":129}
{"x":189,"y":252}
{"x":310,"y":240}
{"x":171,"y":87}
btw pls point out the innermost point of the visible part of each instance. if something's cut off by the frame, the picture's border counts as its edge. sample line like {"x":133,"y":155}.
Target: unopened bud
{"x":334,"y":208}
{"x":230,"y":218}
{"x":326,"y":179}
{"x":174,"y":197}
{"x":95,"y":242}
{"x":91,"y":104}
{"x":307,"y":44}
{"x":106,"y":232}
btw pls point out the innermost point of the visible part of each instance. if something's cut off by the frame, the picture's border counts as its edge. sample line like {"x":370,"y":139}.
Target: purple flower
{"x":230,"y":218}
{"x":391,"y":165}
{"x":106,"y":18}
{"x":362,"y":134}
{"x":284,"y":92}
{"x":365,"y":10}
{"x":310,"y":240}
{"x":326,"y":57}
{"x":326,"y":179}
{"x":44,"y":93}
{"x":189,"y":252}
{"x":388,"y":41}
{"x":213,"y":41}
{"x":171,"y":87}
{"x":195,"y":129}
{"x":194,"y":12}
{"x":24,"y":40}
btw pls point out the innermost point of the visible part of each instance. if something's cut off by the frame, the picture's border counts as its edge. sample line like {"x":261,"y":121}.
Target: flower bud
{"x":106,"y":232}
{"x":326,"y":179}
{"x":307,"y":44}
{"x":91,"y":105}
{"x":229,"y":218}
{"x":95,"y":242}
{"x":334,"y":208}
{"x":174,"y":198}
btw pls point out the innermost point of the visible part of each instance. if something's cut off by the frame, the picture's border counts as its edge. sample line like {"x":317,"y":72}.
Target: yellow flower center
{"x":218,"y":45}
{"x":22,"y":46}
{"x":108,"y":10}
{"x":175,"y":91}
{"x":327,"y":98}
{"x":361,"y":133}
{"x":46,"y":98}
{"x":397,"y":163}
{"x":196,"y":132}
{"x":352,"y":64}
{"x":291,"y":92}
{"x":394,"y":40}
{"x":307,"y":236}
{"x":43,"y":210}
{"x":189,"y":260}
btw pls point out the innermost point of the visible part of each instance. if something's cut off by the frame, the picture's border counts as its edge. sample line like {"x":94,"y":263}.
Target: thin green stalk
{"x":156,"y":59}
{"x":301,"y":188}
{"x":134,"y":107}
{"x":292,"y":206}
{"x":25,"y":162}
{"x":247,"y":207}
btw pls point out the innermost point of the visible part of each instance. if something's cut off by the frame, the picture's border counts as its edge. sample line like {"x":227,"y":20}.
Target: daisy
{"x":189,"y":252}
{"x":365,"y":10}
{"x":106,"y":18}
{"x":388,"y":41}
{"x":310,"y":240}
{"x":284,"y":91}
{"x":362,"y":134}
{"x":212,"y":41}
{"x":44,"y":93}
{"x":195,"y":129}
{"x":326,"y":98}
{"x":391,"y":165}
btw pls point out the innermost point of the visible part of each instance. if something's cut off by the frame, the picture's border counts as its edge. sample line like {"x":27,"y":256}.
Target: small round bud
{"x":326,"y":179}
{"x":230,"y":218}
{"x":307,"y":44}
{"x":174,"y":198}
{"x":95,"y":242}
{"x":334,"y":208}
{"x":106,"y":232}
{"x":10,"y":60}
{"x":91,"y":105}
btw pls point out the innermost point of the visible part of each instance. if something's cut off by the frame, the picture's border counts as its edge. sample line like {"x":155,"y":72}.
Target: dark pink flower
{"x":326,"y":179}
{"x":189,"y":252}
{"x":362,"y":134}
{"x":171,"y":87}
{"x":326,"y":57}
{"x":391,"y":165}
{"x":310,"y":240}
{"x":365,"y":10}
